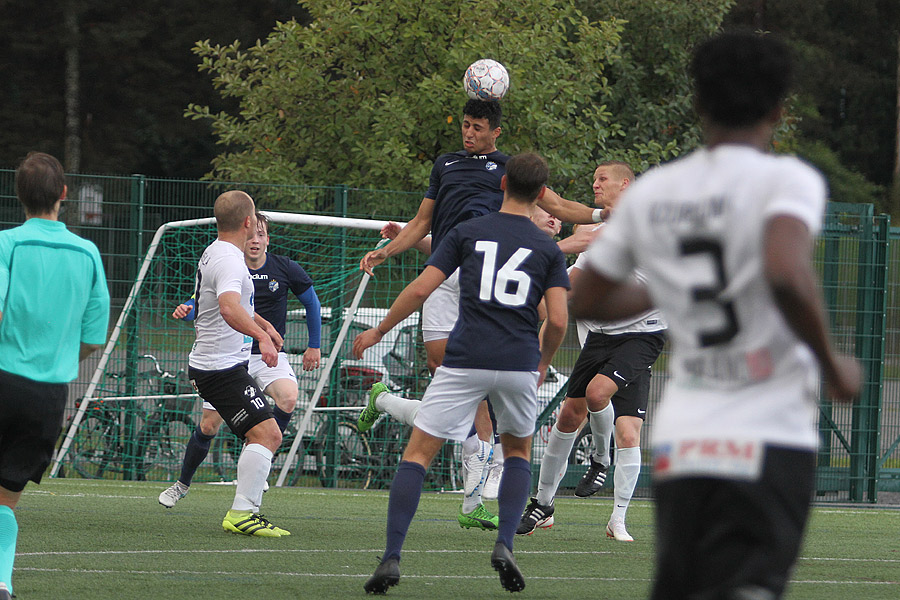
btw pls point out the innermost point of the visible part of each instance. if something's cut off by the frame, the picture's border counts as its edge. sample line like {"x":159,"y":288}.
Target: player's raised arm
{"x":567,"y":210}
{"x":415,"y":230}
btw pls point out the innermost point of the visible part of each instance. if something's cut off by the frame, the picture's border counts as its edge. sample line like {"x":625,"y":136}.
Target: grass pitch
{"x":112,"y":540}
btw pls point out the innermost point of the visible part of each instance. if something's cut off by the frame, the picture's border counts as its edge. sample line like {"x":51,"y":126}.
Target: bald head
{"x":231,"y":209}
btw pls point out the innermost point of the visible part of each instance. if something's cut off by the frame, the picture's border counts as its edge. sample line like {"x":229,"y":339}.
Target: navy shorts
{"x":626,"y":359}
{"x":31,"y":418}
{"x":235,"y":396}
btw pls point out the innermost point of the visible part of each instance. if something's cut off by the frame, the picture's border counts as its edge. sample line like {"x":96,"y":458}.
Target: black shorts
{"x":31,"y":418}
{"x":626,"y":359}
{"x":716,"y":537}
{"x":235,"y":395}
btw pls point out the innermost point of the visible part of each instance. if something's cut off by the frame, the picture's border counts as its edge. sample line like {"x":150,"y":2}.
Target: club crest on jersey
{"x":273,"y":286}
{"x":490,"y":165}
{"x":250,"y":391}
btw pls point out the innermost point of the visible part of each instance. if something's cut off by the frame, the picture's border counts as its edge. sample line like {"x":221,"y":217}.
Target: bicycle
{"x":105,"y":442}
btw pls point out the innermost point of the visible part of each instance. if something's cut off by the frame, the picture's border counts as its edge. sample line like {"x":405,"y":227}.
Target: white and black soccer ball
{"x":486,"y":79}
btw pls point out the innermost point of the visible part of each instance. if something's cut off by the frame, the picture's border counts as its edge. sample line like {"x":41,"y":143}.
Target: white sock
{"x":471,"y":444}
{"x":602,"y":423}
{"x":402,"y":409}
{"x":252,"y":469}
{"x":472,"y":497}
{"x":554,"y":464}
{"x":497,"y":459}
{"x":628,"y":468}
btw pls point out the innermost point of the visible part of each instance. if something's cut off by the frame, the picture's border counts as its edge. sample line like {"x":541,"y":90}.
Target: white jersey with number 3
{"x":695,"y":229}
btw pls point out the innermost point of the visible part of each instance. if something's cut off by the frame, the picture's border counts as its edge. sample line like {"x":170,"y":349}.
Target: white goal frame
{"x":273,"y":217}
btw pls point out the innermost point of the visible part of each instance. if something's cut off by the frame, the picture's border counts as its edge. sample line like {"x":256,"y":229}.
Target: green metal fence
{"x":860,"y":453}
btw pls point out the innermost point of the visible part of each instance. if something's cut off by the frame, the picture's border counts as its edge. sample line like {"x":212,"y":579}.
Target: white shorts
{"x":441,"y":309}
{"x":265,"y":375}
{"x":449,"y":404}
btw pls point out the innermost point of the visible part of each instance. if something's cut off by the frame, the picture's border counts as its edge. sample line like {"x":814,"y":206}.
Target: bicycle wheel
{"x":93,"y":447}
{"x":163,"y":451}
{"x":345,"y":461}
{"x":583,"y":448}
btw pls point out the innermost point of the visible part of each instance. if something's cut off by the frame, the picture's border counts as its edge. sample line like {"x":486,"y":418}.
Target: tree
{"x":847,"y":81}
{"x":370,"y":93}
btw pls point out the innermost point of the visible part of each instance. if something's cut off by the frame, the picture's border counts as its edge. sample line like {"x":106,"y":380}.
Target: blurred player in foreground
{"x":724,"y":237}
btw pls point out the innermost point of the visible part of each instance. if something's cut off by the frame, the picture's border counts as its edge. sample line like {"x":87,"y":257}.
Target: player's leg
{"x":381,"y":400}
{"x":194,"y":454}
{"x":403,"y":501}
{"x":554,"y":464}
{"x":279,"y":383}
{"x":601,"y":419}
{"x":31,"y":417}
{"x":447,"y":411}
{"x":514,"y":399}
{"x":477,"y":451}
{"x":243,"y":406}
{"x":628,"y":469}
{"x":9,"y":532}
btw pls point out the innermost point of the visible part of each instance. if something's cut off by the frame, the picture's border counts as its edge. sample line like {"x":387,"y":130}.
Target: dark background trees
{"x":137,"y":73}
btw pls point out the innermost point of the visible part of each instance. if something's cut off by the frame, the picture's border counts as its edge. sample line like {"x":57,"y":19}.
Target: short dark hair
{"x":262,"y":219}
{"x":40,"y":182}
{"x":526,"y":175}
{"x":740,"y":77}
{"x":484,"y":109}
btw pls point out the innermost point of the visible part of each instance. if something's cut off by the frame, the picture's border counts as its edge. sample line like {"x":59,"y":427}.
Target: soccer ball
{"x":486,"y":79}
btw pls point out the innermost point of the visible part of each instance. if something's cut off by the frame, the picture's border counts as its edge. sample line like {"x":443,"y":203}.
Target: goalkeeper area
{"x":139,"y":410}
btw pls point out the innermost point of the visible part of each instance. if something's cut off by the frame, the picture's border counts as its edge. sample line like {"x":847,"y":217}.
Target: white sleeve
{"x":227,"y":275}
{"x":610,"y":254}
{"x":800,"y":192}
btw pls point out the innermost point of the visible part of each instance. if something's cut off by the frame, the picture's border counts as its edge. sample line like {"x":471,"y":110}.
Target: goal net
{"x":139,"y":410}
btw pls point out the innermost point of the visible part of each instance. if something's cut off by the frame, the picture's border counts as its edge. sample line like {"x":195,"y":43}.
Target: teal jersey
{"x":53,"y":297}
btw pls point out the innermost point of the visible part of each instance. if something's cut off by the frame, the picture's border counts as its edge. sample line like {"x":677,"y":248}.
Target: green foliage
{"x":370,"y":93}
{"x":845,"y":184}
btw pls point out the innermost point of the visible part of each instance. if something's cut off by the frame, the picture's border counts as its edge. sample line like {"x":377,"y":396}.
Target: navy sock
{"x":194,"y":454}
{"x":282,"y":418}
{"x":514,"y":487}
{"x":404,"y":500}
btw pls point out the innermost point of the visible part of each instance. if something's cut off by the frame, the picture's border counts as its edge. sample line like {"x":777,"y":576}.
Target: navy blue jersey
{"x":464,"y":186}
{"x":506,"y":264}
{"x":271,"y":283}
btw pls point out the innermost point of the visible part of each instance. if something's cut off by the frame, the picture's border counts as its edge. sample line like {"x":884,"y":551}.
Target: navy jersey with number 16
{"x":506,"y":264}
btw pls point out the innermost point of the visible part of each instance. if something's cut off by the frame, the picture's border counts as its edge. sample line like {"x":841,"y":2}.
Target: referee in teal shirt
{"x":55,"y":311}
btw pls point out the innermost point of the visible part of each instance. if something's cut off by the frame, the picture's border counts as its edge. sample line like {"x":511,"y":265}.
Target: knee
{"x":209,"y":427}
{"x":286,"y":400}
{"x":571,"y":417}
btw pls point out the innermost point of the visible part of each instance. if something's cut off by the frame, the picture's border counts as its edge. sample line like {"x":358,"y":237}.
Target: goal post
{"x":137,"y":394}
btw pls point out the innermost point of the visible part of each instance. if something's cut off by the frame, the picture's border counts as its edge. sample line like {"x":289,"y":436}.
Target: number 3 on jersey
{"x":710,"y":293}
{"x":496,"y":283}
